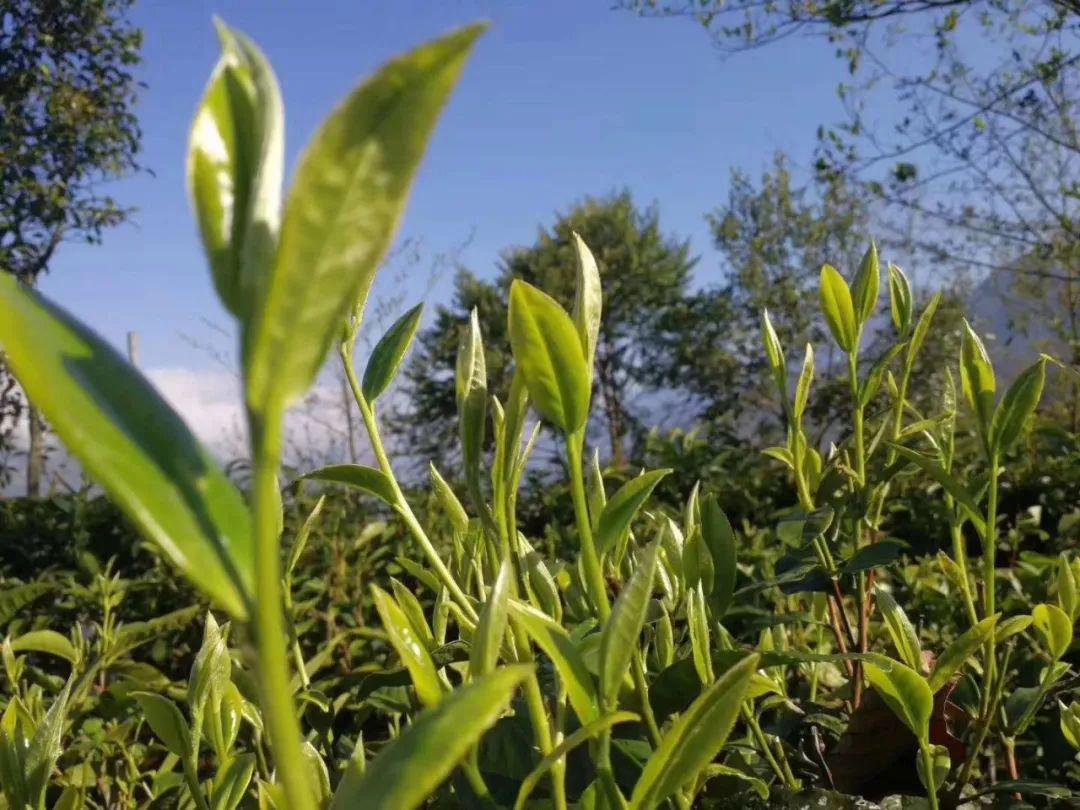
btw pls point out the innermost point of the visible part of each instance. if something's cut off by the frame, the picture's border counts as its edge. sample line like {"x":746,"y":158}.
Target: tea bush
{"x":642,"y":652}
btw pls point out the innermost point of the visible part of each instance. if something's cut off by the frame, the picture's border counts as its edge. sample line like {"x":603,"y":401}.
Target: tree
{"x":960,"y":121}
{"x":645,"y":274}
{"x":67,"y":88}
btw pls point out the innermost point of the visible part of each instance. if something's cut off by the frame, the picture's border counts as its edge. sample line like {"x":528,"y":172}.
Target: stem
{"x":763,"y":744}
{"x":928,"y":769}
{"x":535,"y":700}
{"x":401,"y":505}
{"x":275,"y":685}
{"x":643,"y":695}
{"x":594,"y":575}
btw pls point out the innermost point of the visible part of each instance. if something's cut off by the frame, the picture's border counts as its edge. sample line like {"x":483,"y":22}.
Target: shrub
{"x":613,"y":676}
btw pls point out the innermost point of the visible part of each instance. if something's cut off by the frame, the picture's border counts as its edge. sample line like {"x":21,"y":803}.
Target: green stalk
{"x":594,"y":575}
{"x":401,"y":505}
{"x":763,"y":743}
{"x":928,"y":769}
{"x":268,"y":618}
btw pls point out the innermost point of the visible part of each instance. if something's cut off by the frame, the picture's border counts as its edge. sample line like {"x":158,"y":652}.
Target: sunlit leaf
{"x":132,"y":443}
{"x":347,"y":197}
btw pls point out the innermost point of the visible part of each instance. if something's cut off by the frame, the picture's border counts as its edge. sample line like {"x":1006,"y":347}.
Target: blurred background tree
{"x":67,"y":126}
{"x":960,"y":127}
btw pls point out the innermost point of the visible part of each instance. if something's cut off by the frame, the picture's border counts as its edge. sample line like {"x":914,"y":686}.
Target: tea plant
{"x":615,"y":678}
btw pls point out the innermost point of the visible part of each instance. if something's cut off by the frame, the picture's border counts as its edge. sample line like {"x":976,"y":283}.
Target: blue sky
{"x":561,"y":99}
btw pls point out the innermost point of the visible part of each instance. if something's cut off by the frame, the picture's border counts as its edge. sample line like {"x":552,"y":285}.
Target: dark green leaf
{"x":388,"y":353}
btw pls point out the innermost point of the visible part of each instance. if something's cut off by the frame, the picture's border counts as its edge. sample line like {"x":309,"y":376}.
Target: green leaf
{"x":837,"y":307}
{"x":388,"y":353}
{"x":456,"y":513}
{"x":1068,"y":599}
{"x":619,"y":639}
{"x":46,"y":641}
{"x":977,"y":379}
{"x":802,"y":387}
{"x":1012,"y":626}
{"x":903,"y":634}
{"x":45,"y":747}
{"x":621,"y":509}
{"x":346,"y":200}
{"x":774,"y":352}
{"x":302,"y":536}
{"x":409,"y":647}
{"x":906,"y":692}
{"x":875,"y":555}
{"x":407,"y":771}
{"x":695,"y":738}
{"x":549,"y":355}
{"x":1055,"y":626}
{"x":719,"y":537}
{"x":1017,"y":406}
{"x":12,"y":600}
{"x":490,"y":627}
{"x":166,"y":721}
{"x":559,"y":647}
{"x":940,"y":764}
{"x":572,"y":741}
{"x":957,"y":653}
{"x":698,"y":623}
{"x":588,"y":301}
{"x":934,"y":469}
{"x":366,"y":479}
{"x":234,"y":170}
{"x":232,"y":783}
{"x":132,"y":443}
{"x":900,"y":300}
{"x":866,"y":285}
{"x":470,"y":386}
{"x":922,"y":327}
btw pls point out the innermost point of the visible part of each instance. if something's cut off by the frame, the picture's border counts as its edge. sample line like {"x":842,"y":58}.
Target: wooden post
{"x":133,"y":348}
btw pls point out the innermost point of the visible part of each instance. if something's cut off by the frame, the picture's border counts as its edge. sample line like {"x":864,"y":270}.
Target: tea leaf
{"x":366,"y":479}
{"x":470,"y":385}
{"x":875,"y":555}
{"x":46,"y":746}
{"x":45,"y":641}
{"x":621,"y":509}
{"x":346,"y":200}
{"x":588,"y":301}
{"x":900,"y":300}
{"x":132,"y":443}
{"x":231,"y":785}
{"x":695,"y":738}
{"x":1012,"y":626}
{"x":922,"y":327}
{"x":866,"y":285}
{"x":1054,"y":626}
{"x":410,"y":767}
{"x":977,"y":379}
{"x":802,"y":387}
{"x":837,"y":307}
{"x":698,"y":623}
{"x":903,"y":634}
{"x":459,"y":519}
{"x":549,"y":355}
{"x":559,"y":647}
{"x":775,"y":354}
{"x":957,"y":653}
{"x":409,"y":647}
{"x":388,"y":353}
{"x":1066,"y":587}
{"x":905,"y":692}
{"x":719,"y":537}
{"x":940,"y":763}
{"x":619,"y":638}
{"x":487,"y":640}
{"x":234,"y":171}
{"x":166,"y":722}
{"x":1017,"y":405}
